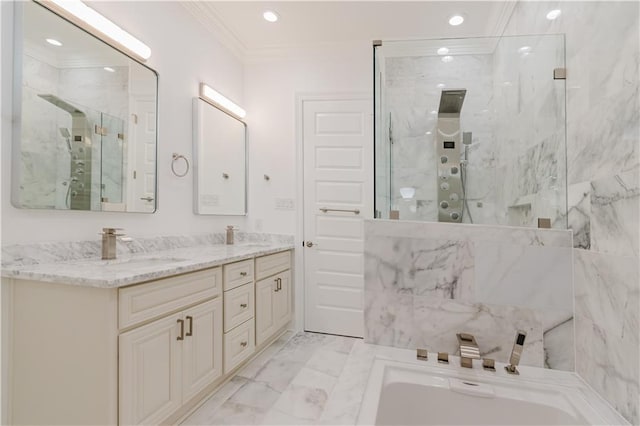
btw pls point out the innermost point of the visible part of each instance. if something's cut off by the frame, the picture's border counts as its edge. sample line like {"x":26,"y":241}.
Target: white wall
{"x":184,"y":54}
{"x":271,"y":88}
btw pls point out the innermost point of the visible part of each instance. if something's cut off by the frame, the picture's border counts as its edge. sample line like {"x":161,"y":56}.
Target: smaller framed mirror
{"x":220,"y":161}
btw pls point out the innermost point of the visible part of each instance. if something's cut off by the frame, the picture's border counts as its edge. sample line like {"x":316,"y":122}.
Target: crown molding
{"x":207,"y":15}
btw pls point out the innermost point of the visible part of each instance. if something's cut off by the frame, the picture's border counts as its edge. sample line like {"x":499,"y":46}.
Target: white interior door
{"x":338,"y":195}
{"x":142,"y":192}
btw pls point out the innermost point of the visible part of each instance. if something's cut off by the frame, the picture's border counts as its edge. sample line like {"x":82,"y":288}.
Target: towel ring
{"x":177,"y":157}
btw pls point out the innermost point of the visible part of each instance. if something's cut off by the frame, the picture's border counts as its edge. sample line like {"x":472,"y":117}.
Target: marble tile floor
{"x":303,"y":378}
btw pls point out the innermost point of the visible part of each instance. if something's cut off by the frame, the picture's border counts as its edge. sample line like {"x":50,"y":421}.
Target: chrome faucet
{"x":516,"y":353}
{"x":109,"y":242}
{"x":468,"y":349}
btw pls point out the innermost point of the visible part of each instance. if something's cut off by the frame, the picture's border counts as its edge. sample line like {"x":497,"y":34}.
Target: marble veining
{"x":424,"y":282}
{"x":143,"y":259}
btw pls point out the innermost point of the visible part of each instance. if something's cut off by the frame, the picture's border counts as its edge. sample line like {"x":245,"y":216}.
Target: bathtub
{"x":408,"y":393}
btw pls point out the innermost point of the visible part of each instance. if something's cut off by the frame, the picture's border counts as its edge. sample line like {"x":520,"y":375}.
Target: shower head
{"x":451,"y":101}
{"x":65,"y":132}
{"x":64,"y":105}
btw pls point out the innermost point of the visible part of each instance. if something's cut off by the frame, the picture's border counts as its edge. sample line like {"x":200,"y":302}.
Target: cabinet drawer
{"x":237,"y":274}
{"x":238,"y":345}
{"x":143,"y":302}
{"x":272,"y":264}
{"x":238,"y":306}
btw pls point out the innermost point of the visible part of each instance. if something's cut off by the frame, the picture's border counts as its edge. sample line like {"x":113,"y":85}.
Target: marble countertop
{"x":140,"y":267}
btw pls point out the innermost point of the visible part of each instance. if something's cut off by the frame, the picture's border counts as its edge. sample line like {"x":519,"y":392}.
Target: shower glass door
{"x":509,"y":141}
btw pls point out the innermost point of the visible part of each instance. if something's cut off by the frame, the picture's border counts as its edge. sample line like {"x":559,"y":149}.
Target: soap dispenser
{"x":229,"y":239}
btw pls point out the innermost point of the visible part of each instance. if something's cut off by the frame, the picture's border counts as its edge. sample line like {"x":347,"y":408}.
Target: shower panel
{"x":448,"y":143}
{"x":80,"y":151}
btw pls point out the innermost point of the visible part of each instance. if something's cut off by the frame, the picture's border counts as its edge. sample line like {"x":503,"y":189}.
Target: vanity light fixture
{"x":217,"y":99}
{"x":109,"y":69}
{"x":54,"y":42}
{"x":456,"y":20}
{"x":270,"y":16}
{"x":81,"y":14}
{"x":443,"y":51}
{"x":553,"y":14}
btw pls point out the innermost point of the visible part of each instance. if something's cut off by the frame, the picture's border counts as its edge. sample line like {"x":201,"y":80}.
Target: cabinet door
{"x":282,"y":300}
{"x":202,"y":347}
{"x":265,"y":320}
{"x":149,"y":371}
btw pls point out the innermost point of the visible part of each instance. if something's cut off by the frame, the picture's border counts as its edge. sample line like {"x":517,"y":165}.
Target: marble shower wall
{"x":603,"y":156}
{"x":424,"y":282}
{"x":412,"y":89}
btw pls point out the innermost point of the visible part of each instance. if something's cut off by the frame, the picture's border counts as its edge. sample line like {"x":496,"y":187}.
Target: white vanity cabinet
{"x":145,"y":353}
{"x":239,"y":308}
{"x":169,"y":361}
{"x":273,"y":294}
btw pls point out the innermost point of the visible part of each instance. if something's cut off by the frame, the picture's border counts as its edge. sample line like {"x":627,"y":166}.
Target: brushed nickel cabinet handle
{"x":277,"y":287}
{"x":243,"y":344}
{"x":243,"y":305}
{"x":243,"y":274}
{"x":190,"y":332}
{"x":181,"y":336}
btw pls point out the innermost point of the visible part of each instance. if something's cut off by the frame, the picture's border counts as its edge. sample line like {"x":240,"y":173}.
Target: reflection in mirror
{"x":86,"y":134}
{"x":220,"y":158}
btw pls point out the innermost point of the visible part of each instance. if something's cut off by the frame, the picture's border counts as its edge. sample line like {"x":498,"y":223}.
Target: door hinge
{"x":135,"y":174}
{"x":135,"y":118}
{"x":102,"y":131}
{"x":560,"y":74}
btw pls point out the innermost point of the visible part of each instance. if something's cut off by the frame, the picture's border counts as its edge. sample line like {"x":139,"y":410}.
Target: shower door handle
{"x":147,"y":199}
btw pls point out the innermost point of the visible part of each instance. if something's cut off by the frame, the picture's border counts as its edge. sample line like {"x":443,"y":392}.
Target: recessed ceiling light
{"x":440,"y":85}
{"x":109,"y":69}
{"x":524,"y":49}
{"x":54,"y":42}
{"x":456,"y":20}
{"x":447,"y":58}
{"x":434,"y":112}
{"x":270,"y":16}
{"x":443,"y":51}
{"x":553,"y":14}
{"x":428,"y":133}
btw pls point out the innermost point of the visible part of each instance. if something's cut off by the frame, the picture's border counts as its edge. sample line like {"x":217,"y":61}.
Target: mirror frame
{"x":197,"y":104}
{"x":17,"y":80}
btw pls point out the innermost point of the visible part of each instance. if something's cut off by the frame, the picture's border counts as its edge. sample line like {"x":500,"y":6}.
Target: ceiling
{"x":240,"y":26}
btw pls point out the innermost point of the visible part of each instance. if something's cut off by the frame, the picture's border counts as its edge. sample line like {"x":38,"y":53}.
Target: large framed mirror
{"x":220,"y":158}
{"x":85,"y":119}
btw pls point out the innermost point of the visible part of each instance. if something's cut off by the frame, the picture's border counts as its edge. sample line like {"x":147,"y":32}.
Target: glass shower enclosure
{"x":471,"y":130}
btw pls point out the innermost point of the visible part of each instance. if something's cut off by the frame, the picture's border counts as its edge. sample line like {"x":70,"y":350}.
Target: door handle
{"x":243,"y":305}
{"x":190,"y":332}
{"x":147,"y":199}
{"x":277,"y":286}
{"x":181,"y":336}
{"x":309,"y":244}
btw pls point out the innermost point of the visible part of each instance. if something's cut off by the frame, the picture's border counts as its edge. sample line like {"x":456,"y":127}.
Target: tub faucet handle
{"x":516,"y":353}
{"x":468,"y":349}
